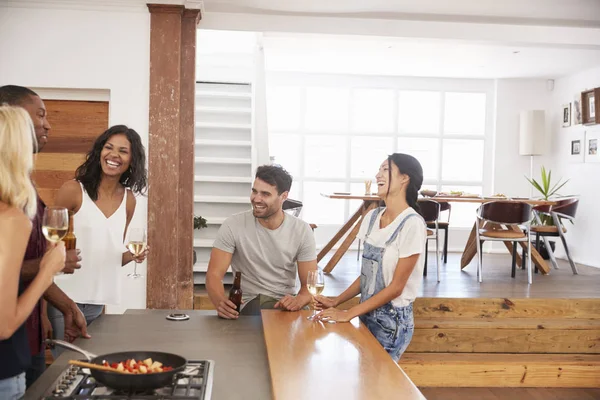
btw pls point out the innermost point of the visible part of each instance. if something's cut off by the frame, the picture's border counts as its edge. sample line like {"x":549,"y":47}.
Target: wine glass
{"x":315,"y":284}
{"x":55,"y":224}
{"x":136,"y":246}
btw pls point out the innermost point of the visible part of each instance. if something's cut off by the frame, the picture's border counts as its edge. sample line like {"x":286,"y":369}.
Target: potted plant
{"x":199,"y":223}
{"x":547,"y":190}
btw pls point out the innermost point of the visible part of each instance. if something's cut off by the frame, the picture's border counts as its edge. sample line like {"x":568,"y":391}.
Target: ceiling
{"x":442,"y":38}
{"x":369,"y":55}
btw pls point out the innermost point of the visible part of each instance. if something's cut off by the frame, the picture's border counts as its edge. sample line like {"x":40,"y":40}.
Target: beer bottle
{"x":70,"y":239}
{"x":235,"y":294}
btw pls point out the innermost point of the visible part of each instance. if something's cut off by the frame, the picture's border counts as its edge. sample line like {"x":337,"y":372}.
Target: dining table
{"x":371,"y":201}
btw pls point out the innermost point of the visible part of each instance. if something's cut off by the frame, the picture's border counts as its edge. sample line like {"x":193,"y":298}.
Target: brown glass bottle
{"x":70,"y":239}
{"x":235,"y":294}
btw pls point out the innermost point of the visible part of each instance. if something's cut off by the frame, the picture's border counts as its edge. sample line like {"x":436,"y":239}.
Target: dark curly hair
{"x":90,"y":172}
{"x":275,"y":175}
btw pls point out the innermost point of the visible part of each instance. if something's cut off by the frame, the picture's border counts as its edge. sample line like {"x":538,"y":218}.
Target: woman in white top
{"x":392,"y":263}
{"x":103,"y":203}
{"x":18,"y":205}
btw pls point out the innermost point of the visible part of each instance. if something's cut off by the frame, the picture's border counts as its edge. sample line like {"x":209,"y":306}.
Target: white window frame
{"x":353,"y":82}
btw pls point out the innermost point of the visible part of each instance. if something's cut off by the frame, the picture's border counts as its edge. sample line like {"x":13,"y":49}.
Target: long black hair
{"x":410,"y":166}
{"x":90,"y":172}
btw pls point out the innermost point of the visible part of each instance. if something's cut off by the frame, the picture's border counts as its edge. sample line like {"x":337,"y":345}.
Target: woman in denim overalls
{"x":384,"y":284}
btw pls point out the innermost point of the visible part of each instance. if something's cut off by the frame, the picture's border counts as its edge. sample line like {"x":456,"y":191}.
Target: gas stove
{"x":76,"y":383}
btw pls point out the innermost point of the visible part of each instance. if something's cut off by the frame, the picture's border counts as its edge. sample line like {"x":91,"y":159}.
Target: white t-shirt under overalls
{"x":410,"y":241}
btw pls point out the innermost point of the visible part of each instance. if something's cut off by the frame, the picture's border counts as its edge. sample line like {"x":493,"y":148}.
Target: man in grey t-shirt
{"x":269,"y":247}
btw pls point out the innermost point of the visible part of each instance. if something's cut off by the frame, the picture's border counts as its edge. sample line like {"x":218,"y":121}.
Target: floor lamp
{"x":532,"y":132}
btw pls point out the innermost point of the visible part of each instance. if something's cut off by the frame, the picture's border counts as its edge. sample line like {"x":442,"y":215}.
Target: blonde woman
{"x":18,"y":204}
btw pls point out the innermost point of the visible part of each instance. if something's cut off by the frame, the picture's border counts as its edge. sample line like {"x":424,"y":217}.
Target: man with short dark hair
{"x":29,"y":100}
{"x":270,"y":248}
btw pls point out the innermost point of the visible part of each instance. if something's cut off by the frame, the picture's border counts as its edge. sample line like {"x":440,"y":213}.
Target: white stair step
{"x":217,"y":93}
{"x":215,"y":220}
{"x":222,"y":125}
{"x":231,"y":143}
{"x":203,"y":242}
{"x":222,"y":199}
{"x":224,"y":179}
{"x":223,"y":160}
{"x":200,"y":278}
{"x":203,"y":267}
{"x":225,"y":110}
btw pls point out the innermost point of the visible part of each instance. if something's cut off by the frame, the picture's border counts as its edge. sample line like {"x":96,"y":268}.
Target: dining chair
{"x":443,"y":225}
{"x":516,"y":217}
{"x":294,"y":207}
{"x":430,"y":211}
{"x":563,"y":209}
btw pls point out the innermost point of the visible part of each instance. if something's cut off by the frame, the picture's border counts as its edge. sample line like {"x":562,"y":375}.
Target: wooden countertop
{"x":311,"y":360}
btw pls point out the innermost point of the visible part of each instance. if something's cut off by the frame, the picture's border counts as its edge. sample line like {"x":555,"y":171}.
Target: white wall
{"x":583,"y":177}
{"x":510,"y":168}
{"x":57,"y":48}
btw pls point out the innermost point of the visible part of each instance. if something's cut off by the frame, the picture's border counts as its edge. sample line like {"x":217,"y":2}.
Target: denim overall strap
{"x":399,"y":228}
{"x":372,"y":221}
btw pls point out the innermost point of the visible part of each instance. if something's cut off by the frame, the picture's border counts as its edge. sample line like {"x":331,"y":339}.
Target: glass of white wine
{"x":136,"y":246}
{"x":315,"y":284}
{"x":55,"y":224}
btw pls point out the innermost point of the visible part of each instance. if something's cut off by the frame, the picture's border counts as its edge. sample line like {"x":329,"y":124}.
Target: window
{"x":333,"y":138}
{"x":327,"y":109}
{"x":284,"y":107}
{"x":418,"y":112}
{"x":373,"y":111}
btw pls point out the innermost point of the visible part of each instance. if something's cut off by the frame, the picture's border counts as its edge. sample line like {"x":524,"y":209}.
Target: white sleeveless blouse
{"x":100,"y":240}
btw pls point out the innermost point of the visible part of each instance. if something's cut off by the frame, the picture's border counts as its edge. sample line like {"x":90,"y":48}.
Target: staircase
{"x":224,"y":163}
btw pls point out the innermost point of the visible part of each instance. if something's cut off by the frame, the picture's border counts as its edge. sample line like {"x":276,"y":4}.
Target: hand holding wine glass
{"x":137,"y":246}
{"x":53,"y":260}
{"x":55,"y":224}
{"x":315,"y":284}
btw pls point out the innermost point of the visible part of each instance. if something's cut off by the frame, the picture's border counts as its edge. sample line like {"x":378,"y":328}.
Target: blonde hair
{"x":17,"y":141}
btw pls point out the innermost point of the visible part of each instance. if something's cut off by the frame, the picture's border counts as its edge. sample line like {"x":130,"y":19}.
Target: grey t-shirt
{"x":266,"y":258}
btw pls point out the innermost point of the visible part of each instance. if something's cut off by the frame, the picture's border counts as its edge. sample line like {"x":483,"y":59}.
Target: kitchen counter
{"x":314,"y":360}
{"x":237,"y":347}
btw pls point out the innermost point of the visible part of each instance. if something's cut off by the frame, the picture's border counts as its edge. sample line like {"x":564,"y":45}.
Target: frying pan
{"x":131,"y":382}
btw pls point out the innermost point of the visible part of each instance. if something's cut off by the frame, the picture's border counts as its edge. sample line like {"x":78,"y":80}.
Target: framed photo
{"x":592,"y":140}
{"x":577,"y":147}
{"x":590,"y":106}
{"x":566,"y":115}
{"x":576,"y":110}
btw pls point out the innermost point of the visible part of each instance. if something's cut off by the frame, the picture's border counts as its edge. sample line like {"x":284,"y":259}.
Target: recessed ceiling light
{"x":516,"y":52}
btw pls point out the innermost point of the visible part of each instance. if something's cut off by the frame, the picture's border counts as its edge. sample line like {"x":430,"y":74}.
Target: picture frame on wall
{"x":592,"y":142}
{"x":590,"y":106}
{"x":566,"y":115}
{"x":577,"y":147}
{"x":576,"y":110}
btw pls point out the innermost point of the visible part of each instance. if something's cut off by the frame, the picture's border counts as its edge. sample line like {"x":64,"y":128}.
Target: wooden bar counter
{"x":314,"y":360}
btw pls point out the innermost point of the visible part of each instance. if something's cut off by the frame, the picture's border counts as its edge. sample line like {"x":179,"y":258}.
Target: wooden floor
{"x":560,"y":283}
{"x":497,"y":283}
{"x":510,"y":394}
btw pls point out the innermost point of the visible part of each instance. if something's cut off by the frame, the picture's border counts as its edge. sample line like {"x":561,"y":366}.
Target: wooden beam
{"x":163,"y":155}
{"x":513,"y":340}
{"x":341,"y":232}
{"x":185,"y":273}
{"x":501,"y":370}
{"x":348,"y":241}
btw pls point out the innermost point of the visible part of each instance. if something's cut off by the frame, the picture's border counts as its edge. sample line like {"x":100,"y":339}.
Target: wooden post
{"x":171,"y":156}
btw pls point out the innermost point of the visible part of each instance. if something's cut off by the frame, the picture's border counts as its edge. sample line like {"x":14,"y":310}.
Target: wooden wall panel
{"x":75,"y":126}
